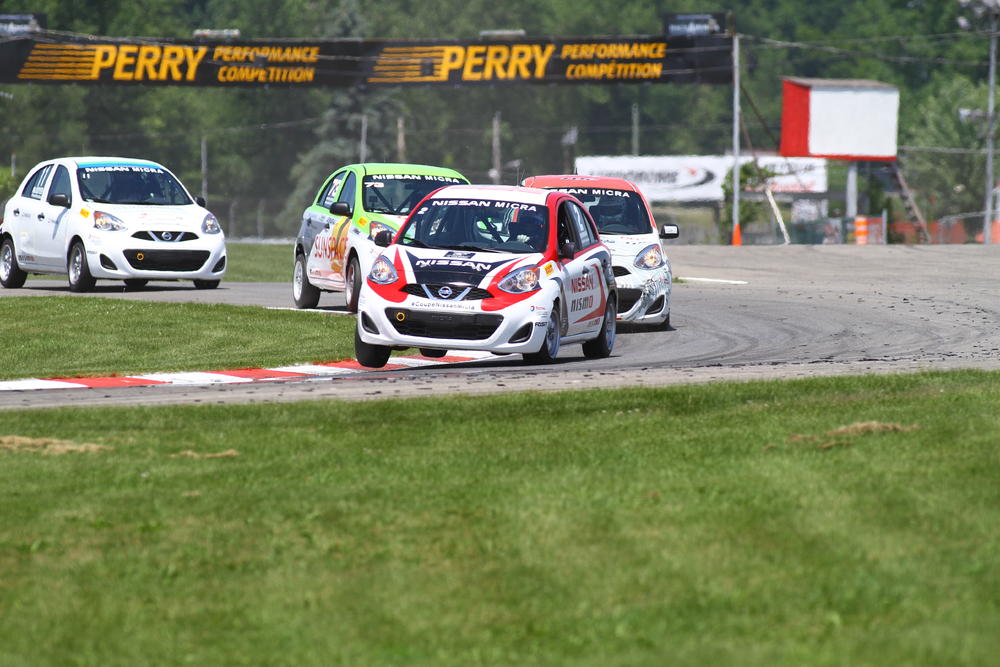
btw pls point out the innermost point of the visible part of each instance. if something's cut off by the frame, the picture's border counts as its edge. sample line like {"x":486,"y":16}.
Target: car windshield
{"x":397,"y":194}
{"x":130,"y":184}
{"x":483,"y":225}
{"x":614,"y":211}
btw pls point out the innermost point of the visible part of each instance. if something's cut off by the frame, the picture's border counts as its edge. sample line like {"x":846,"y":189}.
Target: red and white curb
{"x":278,"y":374}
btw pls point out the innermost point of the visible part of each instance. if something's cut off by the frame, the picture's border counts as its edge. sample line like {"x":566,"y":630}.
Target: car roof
{"x":580,"y":181}
{"x":98,"y":160}
{"x":367,"y":168}
{"x":511,"y":193}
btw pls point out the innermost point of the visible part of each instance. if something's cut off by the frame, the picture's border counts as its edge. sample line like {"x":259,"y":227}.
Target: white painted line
{"x":193,"y":378}
{"x":713,"y":280}
{"x":32,"y":383}
{"x":314,"y":369}
{"x":311,"y":310}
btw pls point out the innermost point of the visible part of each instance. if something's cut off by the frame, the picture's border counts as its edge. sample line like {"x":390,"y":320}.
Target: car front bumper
{"x":203,"y":258}
{"x":643,"y":294}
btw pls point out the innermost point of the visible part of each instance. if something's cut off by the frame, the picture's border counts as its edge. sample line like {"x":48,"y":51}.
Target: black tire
{"x":372,"y":356}
{"x":433,"y":353}
{"x":11,"y":275}
{"x":352,"y":284}
{"x":601,"y":347}
{"x":78,"y":270}
{"x":206,"y":284}
{"x":135,"y":283}
{"x":304,"y":293}
{"x":551,"y":343}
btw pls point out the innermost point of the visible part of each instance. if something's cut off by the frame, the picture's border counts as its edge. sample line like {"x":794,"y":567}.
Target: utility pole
{"x":204,"y":167}
{"x":495,"y":172}
{"x":990,"y":125}
{"x":635,"y":129}
{"x":363,"y":151}
{"x":401,"y":139}
{"x":737,"y":236}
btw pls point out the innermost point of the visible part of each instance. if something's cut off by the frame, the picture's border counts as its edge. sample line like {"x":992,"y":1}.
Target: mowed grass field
{"x":848,"y":521}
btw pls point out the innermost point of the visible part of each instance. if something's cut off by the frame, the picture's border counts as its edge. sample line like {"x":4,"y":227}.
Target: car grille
{"x":463,"y":326}
{"x":458,"y":292}
{"x":172,"y":237}
{"x":166,"y":260}
{"x":627,"y":297}
{"x":620,"y":271}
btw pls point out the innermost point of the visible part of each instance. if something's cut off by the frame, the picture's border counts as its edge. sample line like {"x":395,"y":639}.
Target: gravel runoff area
{"x":742,"y":313}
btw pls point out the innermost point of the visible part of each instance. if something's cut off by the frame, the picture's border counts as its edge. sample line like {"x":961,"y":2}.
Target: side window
{"x":35,"y":187}
{"x":330,"y":191}
{"x":583,"y":228}
{"x":566,"y":230}
{"x":60,"y":184}
{"x":350,"y":190}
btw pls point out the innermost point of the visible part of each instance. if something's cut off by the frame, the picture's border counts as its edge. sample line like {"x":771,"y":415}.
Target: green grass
{"x":247,"y":263}
{"x":64,"y":336}
{"x":259,"y":263}
{"x":715,"y":524}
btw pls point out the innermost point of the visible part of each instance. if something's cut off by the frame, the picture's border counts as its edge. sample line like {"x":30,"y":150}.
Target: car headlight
{"x":383,"y":272}
{"x":210,"y":225}
{"x":107,"y":222}
{"x":650,"y":257}
{"x":521,"y":281}
{"x":375,"y":227}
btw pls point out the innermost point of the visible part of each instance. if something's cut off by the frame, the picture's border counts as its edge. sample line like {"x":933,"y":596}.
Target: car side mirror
{"x":59,"y":199}
{"x":567,"y":249}
{"x":383,"y":239}
{"x":340,"y":208}
{"x":200,"y":201}
{"x":669,"y":231}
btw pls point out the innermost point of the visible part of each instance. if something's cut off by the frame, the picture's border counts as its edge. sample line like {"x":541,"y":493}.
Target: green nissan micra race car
{"x":334,"y":248}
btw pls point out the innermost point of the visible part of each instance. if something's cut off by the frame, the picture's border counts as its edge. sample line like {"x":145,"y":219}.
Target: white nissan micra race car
{"x":503,"y":269}
{"x":625,"y":222}
{"x":109,"y":218}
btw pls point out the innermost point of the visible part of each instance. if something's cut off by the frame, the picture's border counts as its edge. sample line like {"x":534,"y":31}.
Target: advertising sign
{"x":699,"y":178}
{"x":42,"y":57}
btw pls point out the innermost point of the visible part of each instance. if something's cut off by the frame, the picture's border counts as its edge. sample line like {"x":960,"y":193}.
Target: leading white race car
{"x":504,"y":269}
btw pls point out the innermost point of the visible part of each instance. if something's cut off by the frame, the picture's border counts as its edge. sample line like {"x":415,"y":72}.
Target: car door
{"x":587,"y":292}
{"x":50,"y":228}
{"x":25,"y":212}
{"x":325,"y":264}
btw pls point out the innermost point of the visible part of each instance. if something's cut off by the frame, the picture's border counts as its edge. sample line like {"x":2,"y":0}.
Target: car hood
{"x":627,"y":246}
{"x":435,"y":266}
{"x":155,"y":217}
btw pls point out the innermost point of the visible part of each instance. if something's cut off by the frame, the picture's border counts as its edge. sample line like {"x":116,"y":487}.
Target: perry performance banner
{"x":42,"y":57}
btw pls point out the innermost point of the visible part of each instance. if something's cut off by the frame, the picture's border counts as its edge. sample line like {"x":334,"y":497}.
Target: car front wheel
{"x":11,"y":275}
{"x":352,"y":285}
{"x":304,"y":294}
{"x":367,"y":354}
{"x":601,"y":346}
{"x":550,"y":346}
{"x":78,"y":270}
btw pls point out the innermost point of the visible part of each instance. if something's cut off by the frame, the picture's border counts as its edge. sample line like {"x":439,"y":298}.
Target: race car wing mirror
{"x":567,"y":249}
{"x":200,"y":201}
{"x":340,"y":208}
{"x":59,"y":199}
{"x":669,"y":231}
{"x":383,"y":239}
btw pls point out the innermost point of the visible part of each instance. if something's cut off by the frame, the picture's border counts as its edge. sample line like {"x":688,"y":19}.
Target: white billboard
{"x":693,"y":178}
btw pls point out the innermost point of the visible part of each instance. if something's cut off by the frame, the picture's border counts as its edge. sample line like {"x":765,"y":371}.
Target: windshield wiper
{"x":468,"y":247}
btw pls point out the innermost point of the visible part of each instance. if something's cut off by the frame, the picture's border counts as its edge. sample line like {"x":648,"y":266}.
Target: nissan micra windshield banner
{"x":48,"y":58}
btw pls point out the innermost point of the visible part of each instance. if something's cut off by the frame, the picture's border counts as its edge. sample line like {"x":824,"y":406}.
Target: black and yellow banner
{"x":39,"y":58}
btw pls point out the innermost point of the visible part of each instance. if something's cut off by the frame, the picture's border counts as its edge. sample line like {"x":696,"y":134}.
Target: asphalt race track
{"x":749,"y":312}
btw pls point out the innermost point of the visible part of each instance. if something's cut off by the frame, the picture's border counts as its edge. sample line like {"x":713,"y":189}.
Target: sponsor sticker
{"x":84,"y":213}
{"x":549,"y":270}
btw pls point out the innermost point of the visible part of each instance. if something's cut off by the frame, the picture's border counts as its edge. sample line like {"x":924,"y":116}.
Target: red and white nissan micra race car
{"x":503,"y":269}
{"x":626,"y":224}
